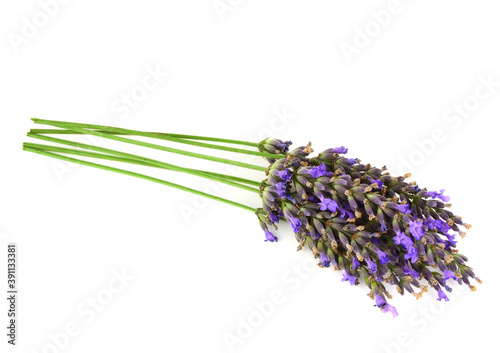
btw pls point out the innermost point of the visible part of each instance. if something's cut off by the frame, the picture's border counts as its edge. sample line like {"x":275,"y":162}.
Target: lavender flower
{"x":340,"y":150}
{"x":270,"y":237}
{"x":283,"y":146}
{"x":438,"y":224}
{"x":281,"y":189}
{"x":442,"y":295}
{"x":324,"y":261}
{"x":328,"y":204}
{"x":411,"y":254}
{"x":348,"y":277}
{"x":345,"y":213}
{"x":274,"y":217}
{"x":374,"y":227}
{"x":379,"y":301}
{"x":296,"y":224}
{"x":439,"y":195}
{"x":285,"y":174}
{"x":318,"y":171}
{"x":390,"y":309}
{"x":274,"y":146}
{"x":372,"y":266}
{"x":379,"y":183}
{"x":402,"y":239}
{"x":404,"y":208}
{"x":416,"y":230}
{"x":386,"y":307}
{"x":383,"y":257}
{"x":448,"y":274}
{"x":410,"y":272}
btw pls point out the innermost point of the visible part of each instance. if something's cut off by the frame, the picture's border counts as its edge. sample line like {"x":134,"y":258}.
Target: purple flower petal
{"x":340,"y":150}
{"x":411,"y":254}
{"x":404,"y":208}
{"x":285,"y":174}
{"x":324,"y":261}
{"x":318,"y":171}
{"x":372,"y":266}
{"x":348,"y":277}
{"x":383,"y":257}
{"x":270,"y":237}
{"x":448,"y":274}
{"x":296,"y":224}
{"x":379,"y":183}
{"x":328,"y":204}
{"x":416,"y":230}
{"x":390,"y":309}
{"x":402,"y":239}
{"x":386,"y":307}
{"x":442,"y":295}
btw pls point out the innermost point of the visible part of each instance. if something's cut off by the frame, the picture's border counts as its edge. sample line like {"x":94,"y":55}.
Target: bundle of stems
{"x":58,"y":151}
{"x":373,"y":226}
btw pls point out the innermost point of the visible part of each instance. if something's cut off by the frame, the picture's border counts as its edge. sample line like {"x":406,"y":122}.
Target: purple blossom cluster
{"x":275,"y":146}
{"x":373,"y":227}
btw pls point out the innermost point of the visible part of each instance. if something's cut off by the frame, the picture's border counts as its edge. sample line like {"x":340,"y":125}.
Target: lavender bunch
{"x":373,"y":227}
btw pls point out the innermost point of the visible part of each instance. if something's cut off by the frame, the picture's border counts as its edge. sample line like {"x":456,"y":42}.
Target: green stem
{"x":137,"y":175}
{"x":136,"y":132}
{"x":150,"y":145}
{"x":213,"y":139}
{"x":138,"y":158}
{"x":65,"y":132}
{"x":126,"y":160}
{"x":180,"y":136}
{"x":168,"y":137}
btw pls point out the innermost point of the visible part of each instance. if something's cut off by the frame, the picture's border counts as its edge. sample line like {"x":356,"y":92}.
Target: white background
{"x":246,"y":70}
